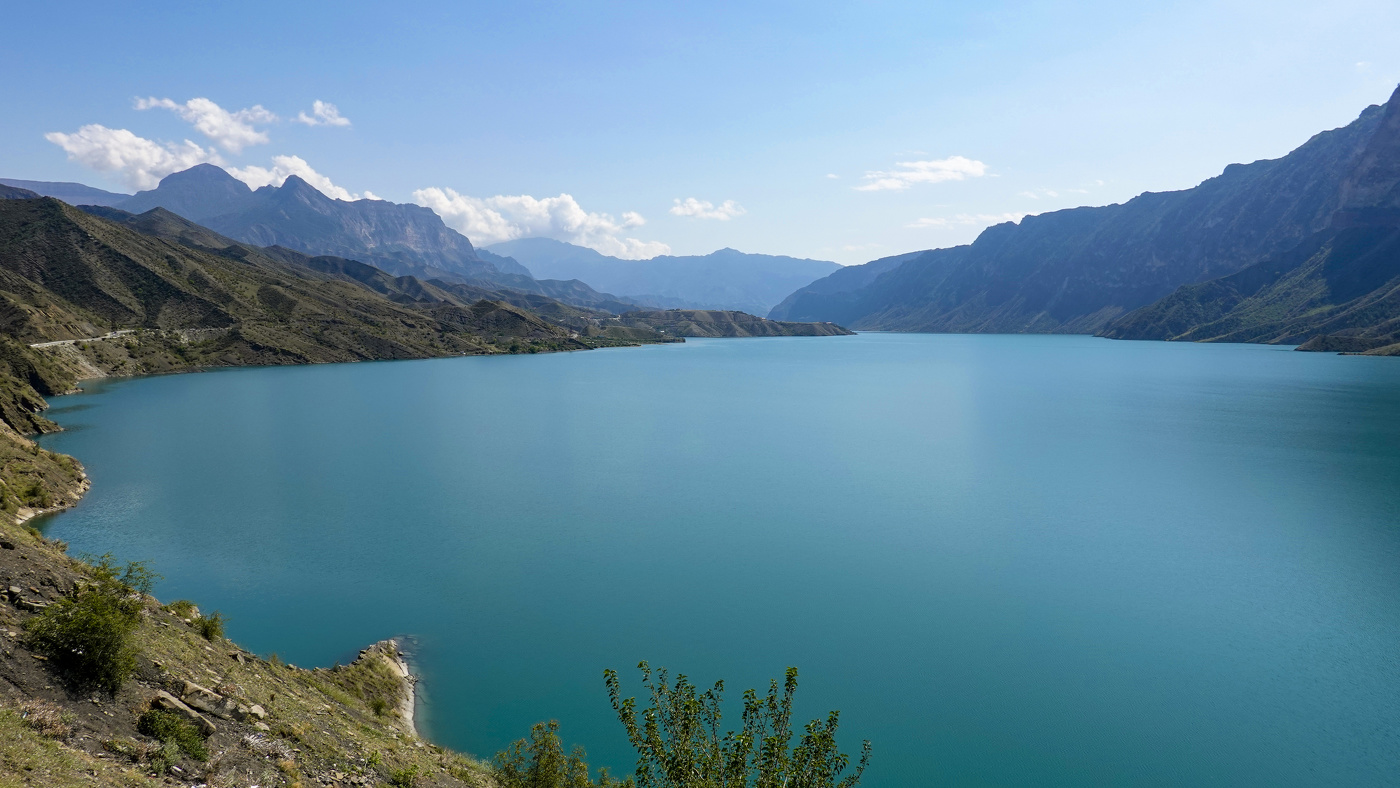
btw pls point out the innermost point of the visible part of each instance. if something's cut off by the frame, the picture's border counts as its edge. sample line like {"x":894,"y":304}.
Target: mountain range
{"x":726,"y":280}
{"x":399,"y":238}
{"x":1303,"y":236}
{"x":411,"y":240}
{"x":71,"y":193}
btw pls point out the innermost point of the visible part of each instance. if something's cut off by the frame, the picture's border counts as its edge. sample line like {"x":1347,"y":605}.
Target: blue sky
{"x":837,"y":131}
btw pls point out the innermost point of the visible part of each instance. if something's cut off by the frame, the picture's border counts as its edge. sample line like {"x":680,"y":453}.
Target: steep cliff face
{"x":1337,"y":289}
{"x":1077,"y":270}
{"x":405,"y":239}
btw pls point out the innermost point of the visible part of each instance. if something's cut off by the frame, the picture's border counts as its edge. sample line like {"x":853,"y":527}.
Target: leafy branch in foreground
{"x":679,"y":744}
{"x":541,"y":763}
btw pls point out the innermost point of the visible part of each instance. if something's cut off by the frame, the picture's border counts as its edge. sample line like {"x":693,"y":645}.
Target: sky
{"x":836,"y":131}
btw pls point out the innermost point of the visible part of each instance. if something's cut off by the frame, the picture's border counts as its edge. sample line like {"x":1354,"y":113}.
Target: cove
{"x":1009,"y":560}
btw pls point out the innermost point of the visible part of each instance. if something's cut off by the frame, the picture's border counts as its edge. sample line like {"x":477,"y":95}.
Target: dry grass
{"x":46,"y":719}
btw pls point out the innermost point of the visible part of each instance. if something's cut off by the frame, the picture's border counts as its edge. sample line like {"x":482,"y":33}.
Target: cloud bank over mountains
{"x":141,"y":162}
{"x":505,"y":218}
{"x":232,"y":131}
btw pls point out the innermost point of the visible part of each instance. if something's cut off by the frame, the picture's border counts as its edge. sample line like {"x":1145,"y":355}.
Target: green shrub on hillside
{"x":171,"y":728}
{"x":540,"y":762}
{"x":182,"y":608}
{"x":679,"y":745}
{"x":210,"y":627}
{"x":88,"y":637}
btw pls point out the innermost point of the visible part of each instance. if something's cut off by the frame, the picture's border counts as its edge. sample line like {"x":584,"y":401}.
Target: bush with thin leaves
{"x":88,"y":637}
{"x":172,"y":729}
{"x":210,"y":627}
{"x":540,"y":762}
{"x":679,"y":744}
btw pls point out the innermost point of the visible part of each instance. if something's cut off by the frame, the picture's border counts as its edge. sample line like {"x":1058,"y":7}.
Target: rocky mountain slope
{"x":398,"y":238}
{"x":71,"y":193}
{"x":1077,"y":270}
{"x":85,"y":296}
{"x":716,"y":323}
{"x":1338,"y":289}
{"x":246,"y":720}
{"x":726,"y":279}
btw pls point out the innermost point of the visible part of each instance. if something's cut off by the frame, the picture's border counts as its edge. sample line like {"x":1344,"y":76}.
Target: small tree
{"x":541,"y":763}
{"x":679,"y":744}
{"x":88,"y":637}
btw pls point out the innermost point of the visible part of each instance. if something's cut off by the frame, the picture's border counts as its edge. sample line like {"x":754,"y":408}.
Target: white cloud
{"x":232,"y":131}
{"x":966,"y":219}
{"x":833,"y":176}
{"x":141,"y":162}
{"x":323,"y":113}
{"x":505,"y":217}
{"x":953,"y":168}
{"x":285,"y":166}
{"x":704,"y":209}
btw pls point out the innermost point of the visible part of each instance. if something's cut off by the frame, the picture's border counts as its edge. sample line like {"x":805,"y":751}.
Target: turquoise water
{"x":1009,"y":560}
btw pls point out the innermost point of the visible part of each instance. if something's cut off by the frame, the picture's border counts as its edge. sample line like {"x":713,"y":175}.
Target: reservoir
{"x":1008,"y":560}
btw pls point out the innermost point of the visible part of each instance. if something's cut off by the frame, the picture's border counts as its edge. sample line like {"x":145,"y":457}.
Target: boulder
{"x":209,"y":701}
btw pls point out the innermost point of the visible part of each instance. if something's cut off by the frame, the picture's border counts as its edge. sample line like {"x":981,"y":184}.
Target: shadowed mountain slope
{"x":195,"y":298}
{"x":1339,"y":289}
{"x":399,"y":238}
{"x":1076,"y":270}
{"x":71,"y":193}
{"x":16,"y":193}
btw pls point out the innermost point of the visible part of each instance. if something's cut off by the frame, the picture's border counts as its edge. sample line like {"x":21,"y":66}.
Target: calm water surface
{"x":1009,"y":560}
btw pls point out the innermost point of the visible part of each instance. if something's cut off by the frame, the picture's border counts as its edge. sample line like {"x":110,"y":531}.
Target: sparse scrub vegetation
{"x":173,"y":730}
{"x":88,"y":636}
{"x":210,"y":627}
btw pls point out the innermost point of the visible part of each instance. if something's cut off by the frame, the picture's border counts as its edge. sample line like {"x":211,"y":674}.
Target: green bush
{"x":210,"y":627}
{"x":404,"y":778}
{"x":540,"y":762}
{"x":182,"y":608}
{"x":171,"y":728}
{"x":88,"y":637}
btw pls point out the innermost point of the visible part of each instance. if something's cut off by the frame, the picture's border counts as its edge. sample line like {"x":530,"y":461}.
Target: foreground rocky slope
{"x":1077,"y":270}
{"x":261,"y":722}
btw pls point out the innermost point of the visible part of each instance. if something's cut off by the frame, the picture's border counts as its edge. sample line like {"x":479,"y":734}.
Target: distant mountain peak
{"x":203,"y":174}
